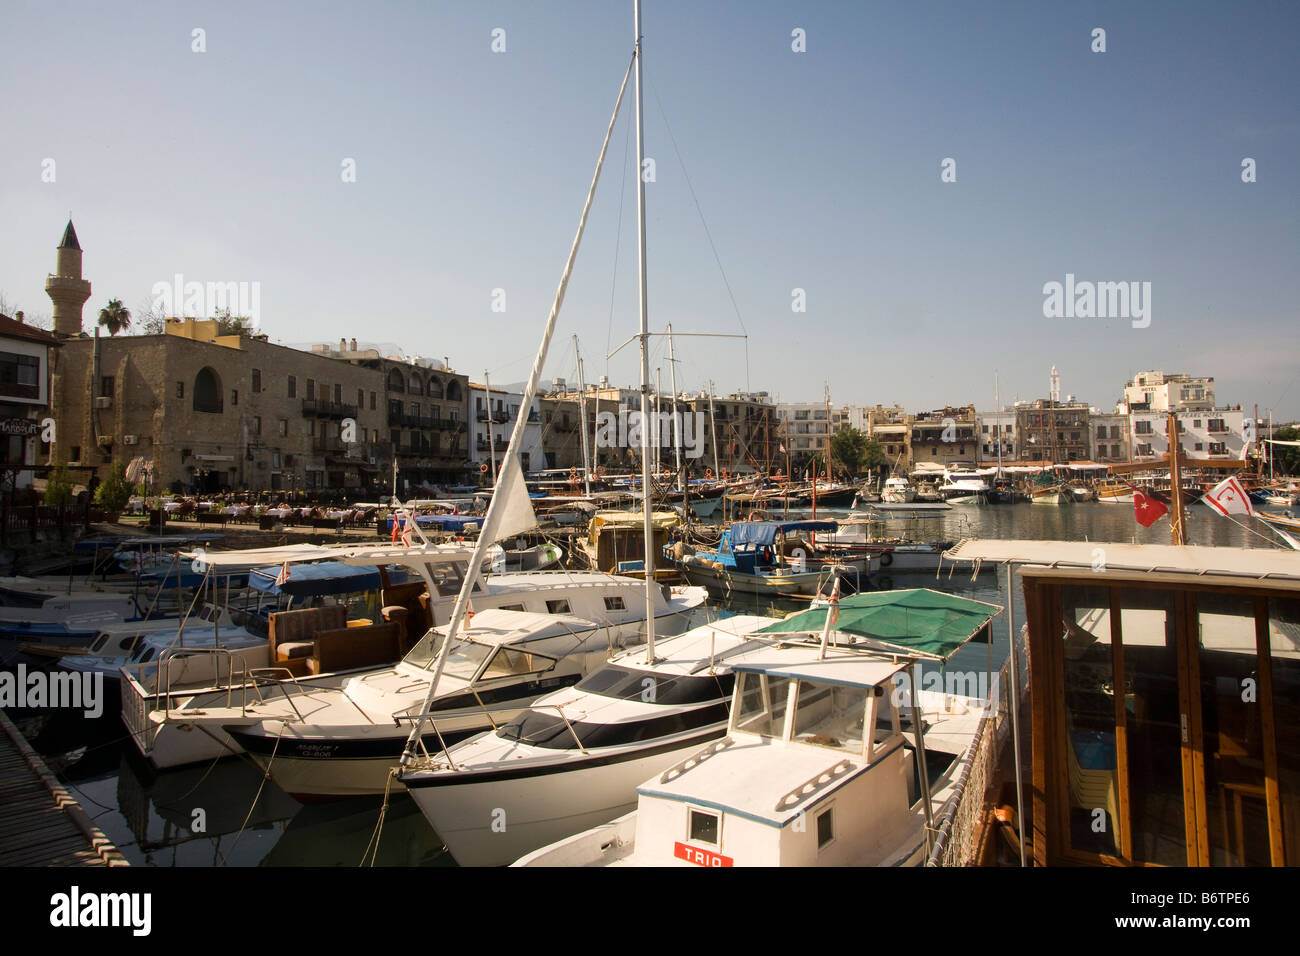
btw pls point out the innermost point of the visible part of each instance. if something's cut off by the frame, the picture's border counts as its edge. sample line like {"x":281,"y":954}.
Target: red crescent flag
{"x":1228,"y":497}
{"x":1146,"y":509}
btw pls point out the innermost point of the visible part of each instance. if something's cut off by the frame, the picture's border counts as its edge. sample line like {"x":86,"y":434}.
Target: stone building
{"x":426,"y":409}
{"x":944,"y":435}
{"x":1053,"y":432}
{"x":1109,"y":436}
{"x":209,"y":411}
{"x":67,"y":290}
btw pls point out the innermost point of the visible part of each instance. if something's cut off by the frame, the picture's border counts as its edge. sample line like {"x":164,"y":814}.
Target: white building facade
{"x":492,"y":416}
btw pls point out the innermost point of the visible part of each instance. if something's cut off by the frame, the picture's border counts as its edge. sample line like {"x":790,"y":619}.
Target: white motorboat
{"x":963,"y":484}
{"x":815,"y":768}
{"x":325,"y":742}
{"x":897,"y":490}
{"x":162,"y":705}
{"x":574,"y":758}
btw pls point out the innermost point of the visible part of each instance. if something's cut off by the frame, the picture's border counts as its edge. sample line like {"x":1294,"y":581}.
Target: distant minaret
{"x":66,"y":289}
{"x":1055,"y":393}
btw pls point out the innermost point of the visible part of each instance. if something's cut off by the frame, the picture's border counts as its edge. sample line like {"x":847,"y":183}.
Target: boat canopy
{"x":1259,"y":563}
{"x":918,"y":623}
{"x":659,"y":520}
{"x":255,"y":557}
{"x":314,"y":580}
{"x":763,"y":533}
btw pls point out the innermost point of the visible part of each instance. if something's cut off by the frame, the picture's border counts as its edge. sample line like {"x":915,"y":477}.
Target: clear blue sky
{"x":815,"y":170}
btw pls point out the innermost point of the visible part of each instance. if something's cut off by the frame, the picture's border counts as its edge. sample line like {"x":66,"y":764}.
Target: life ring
{"x":708,"y":473}
{"x":573,"y":477}
{"x":724,"y":474}
{"x":483,"y":468}
{"x":886,"y":558}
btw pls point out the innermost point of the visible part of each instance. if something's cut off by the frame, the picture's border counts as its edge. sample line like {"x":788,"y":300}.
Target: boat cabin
{"x":1164,"y":685}
{"x":753,"y":547}
{"x":813,"y":771}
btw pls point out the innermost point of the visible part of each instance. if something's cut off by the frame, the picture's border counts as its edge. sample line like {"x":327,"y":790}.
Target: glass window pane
{"x":830,"y":715}
{"x":763,"y":705}
{"x":1153,"y":722}
{"x":1232,"y":731}
{"x":1093,"y":773}
{"x":1284,"y":646}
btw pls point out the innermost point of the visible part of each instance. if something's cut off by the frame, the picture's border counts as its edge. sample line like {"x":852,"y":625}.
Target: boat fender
{"x":886,"y":559}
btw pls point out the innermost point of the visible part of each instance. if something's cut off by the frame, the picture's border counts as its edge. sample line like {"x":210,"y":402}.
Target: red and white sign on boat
{"x":1228,"y":497}
{"x":693,"y":854}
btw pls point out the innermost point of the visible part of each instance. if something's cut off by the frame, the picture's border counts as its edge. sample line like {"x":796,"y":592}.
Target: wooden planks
{"x":40,"y":823}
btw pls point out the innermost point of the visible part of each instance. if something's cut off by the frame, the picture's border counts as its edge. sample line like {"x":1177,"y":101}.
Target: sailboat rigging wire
{"x":516,"y":436}
{"x":716,"y":258}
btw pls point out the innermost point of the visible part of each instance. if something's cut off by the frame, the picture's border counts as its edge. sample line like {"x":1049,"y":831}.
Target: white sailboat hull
{"x":490,"y":823}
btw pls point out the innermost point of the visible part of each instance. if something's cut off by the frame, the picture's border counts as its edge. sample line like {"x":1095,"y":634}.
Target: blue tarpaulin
{"x":326,"y":577}
{"x":763,"y":533}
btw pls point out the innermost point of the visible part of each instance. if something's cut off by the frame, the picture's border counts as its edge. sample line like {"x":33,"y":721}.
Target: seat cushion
{"x":291,"y":649}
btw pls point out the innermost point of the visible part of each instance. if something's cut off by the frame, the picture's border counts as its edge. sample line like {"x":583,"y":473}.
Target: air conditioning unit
{"x":130,"y":439}
{"x":372,"y":459}
{"x":103,"y":401}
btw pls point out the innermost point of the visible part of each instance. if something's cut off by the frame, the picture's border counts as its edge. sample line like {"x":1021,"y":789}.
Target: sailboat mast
{"x":582,"y":413}
{"x":997,"y":425}
{"x":492,"y":454}
{"x":677,"y":426}
{"x":645,"y":349}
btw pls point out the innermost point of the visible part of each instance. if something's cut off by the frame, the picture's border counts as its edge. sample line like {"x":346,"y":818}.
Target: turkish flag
{"x":1146,"y":509}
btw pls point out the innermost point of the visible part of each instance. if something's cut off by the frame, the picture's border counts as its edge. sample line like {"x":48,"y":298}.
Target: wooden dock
{"x":40,"y":823}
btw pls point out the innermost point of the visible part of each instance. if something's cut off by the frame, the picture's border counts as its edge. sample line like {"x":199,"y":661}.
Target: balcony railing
{"x":323,"y":409}
{"x":328,"y":446}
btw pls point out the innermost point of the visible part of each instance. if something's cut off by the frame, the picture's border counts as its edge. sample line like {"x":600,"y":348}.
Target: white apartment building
{"x":492,"y":415}
{"x":1164,"y":392}
{"x":991,"y":427}
{"x":1214,"y":433}
{"x":1108,"y":437}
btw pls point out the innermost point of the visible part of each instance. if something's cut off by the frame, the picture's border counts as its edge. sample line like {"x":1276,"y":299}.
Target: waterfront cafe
{"x":1164,"y":689}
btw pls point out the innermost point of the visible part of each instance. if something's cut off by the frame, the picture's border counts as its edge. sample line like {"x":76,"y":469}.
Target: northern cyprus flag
{"x":1229,"y":498}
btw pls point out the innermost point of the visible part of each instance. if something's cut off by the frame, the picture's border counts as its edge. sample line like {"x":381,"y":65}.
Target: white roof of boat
{"x":499,"y":626}
{"x":410,"y":557}
{"x":691,"y":652}
{"x":749,"y":776}
{"x":1256,"y":563}
{"x":261,"y":557}
{"x":801,"y":661}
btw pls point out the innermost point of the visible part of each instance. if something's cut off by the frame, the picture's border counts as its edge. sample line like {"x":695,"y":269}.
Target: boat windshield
{"x":463,"y":660}
{"x":763,"y":700}
{"x":625,"y":683}
{"x":830,"y":715}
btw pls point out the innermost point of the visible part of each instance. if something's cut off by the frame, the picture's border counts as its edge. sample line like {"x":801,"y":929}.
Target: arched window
{"x":453,"y":391}
{"x":417,"y":387}
{"x":395,"y":382}
{"x":435,"y":387}
{"x":207,"y":391}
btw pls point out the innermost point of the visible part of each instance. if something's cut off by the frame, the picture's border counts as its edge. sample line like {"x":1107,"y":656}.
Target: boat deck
{"x":40,"y":823}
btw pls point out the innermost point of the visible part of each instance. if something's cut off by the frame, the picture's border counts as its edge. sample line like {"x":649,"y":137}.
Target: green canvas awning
{"x":917,"y":623}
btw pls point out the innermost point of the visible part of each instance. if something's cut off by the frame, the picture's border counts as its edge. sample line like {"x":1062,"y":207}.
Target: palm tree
{"x":115,"y":317}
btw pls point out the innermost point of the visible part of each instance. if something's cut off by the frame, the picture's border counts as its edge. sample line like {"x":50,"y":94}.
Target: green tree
{"x":854,"y":452}
{"x":115,"y":317}
{"x":58,"y":486}
{"x":114,"y":493}
{"x":228,"y":324}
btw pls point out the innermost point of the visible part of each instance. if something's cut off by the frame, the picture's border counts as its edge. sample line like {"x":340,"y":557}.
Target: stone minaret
{"x":66,"y":289}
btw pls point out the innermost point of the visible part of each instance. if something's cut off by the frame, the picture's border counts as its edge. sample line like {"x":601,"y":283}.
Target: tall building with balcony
{"x":493,"y":414}
{"x":1053,"y":432}
{"x":943,"y":436}
{"x":425,"y":406}
{"x":996,"y":429}
{"x":24,"y":397}
{"x":1214,"y":434}
{"x":1155,"y":391}
{"x":1110,"y":437}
